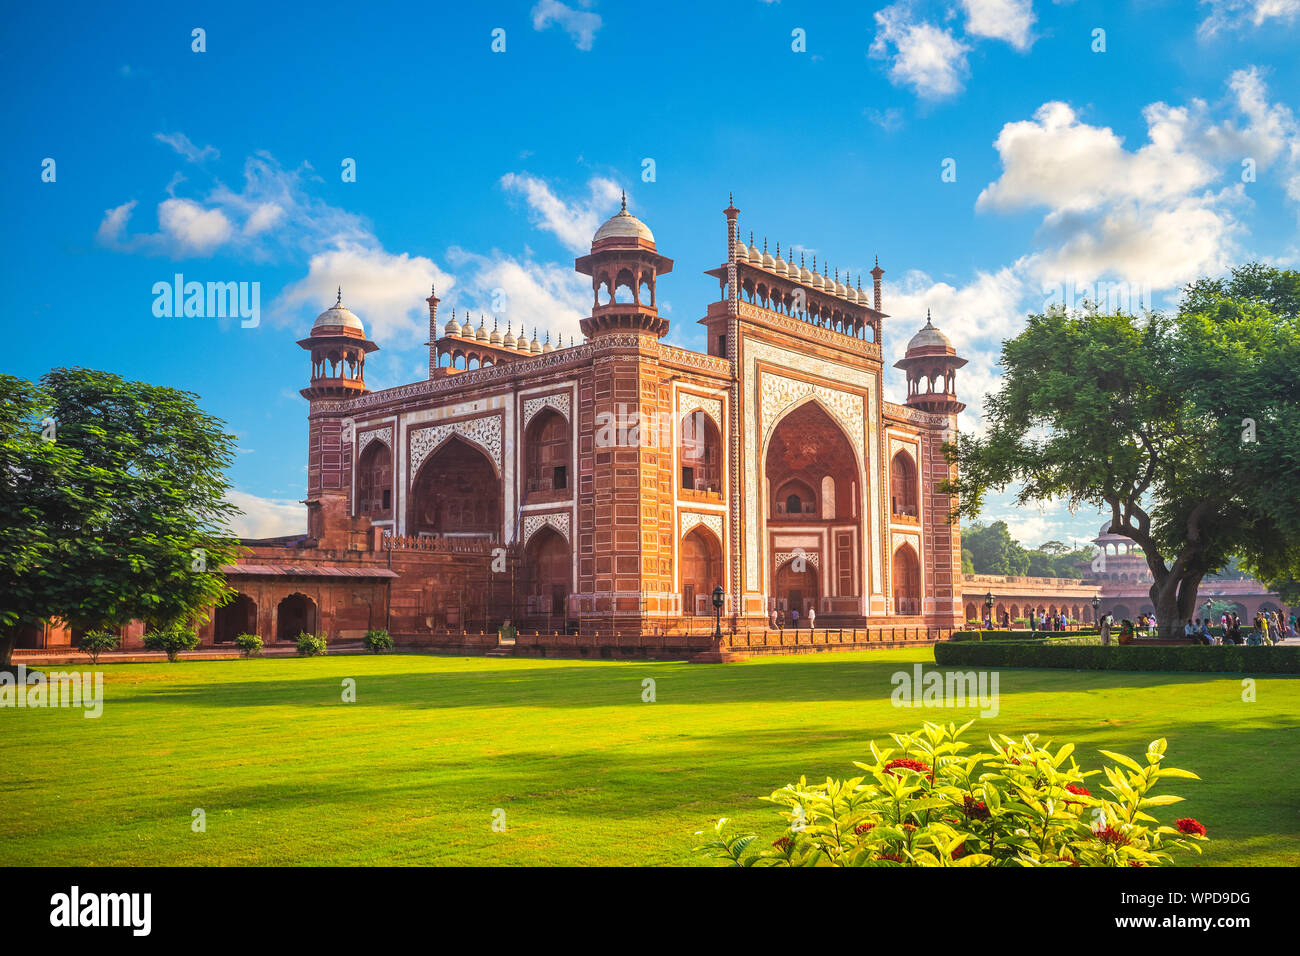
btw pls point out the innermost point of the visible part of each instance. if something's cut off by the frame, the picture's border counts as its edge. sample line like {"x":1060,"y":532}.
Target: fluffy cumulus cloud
{"x":1224,"y":15}
{"x":573,"y":222}
{"x":927,"y":58}
{"x":580,"y":25}
{"x":522,"y":293}
{"x":1159,"y":214}
{"x":387,"y":291}
{"x":271,"y":215}
{"x":1009,"y":20}
{"x":266,"y":517}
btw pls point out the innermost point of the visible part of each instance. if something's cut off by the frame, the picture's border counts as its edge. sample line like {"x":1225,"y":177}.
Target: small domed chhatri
{"x":338,"y":317}
{"x":338,"y":347}
{"x":623,"y":225}
{"x":930,"y":338}
{"x":931,"y":365}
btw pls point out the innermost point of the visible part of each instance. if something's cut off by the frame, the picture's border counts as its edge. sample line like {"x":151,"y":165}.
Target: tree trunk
{"x":1174,"y":598}
{"x":8,"y":641}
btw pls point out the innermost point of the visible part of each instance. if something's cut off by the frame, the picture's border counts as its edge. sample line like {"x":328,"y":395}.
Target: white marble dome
{"x":623,"y":225}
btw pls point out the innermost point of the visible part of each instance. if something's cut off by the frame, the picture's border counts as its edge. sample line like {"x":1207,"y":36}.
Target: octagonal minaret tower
{"x":623,"y":255}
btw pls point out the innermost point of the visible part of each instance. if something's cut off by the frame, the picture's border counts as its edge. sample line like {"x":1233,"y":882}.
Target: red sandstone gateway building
{"x":608,"y":487}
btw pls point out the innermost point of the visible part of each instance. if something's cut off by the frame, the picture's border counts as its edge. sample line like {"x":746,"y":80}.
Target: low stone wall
{"x":639,"y":645}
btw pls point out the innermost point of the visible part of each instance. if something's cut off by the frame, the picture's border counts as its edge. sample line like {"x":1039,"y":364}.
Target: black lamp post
{"x":988,"y":603}
{"x":717,"y":613}
{"x":1096,"y":603}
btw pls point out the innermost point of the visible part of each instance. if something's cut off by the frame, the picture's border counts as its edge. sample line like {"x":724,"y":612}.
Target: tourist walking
{"x":812,"y":618}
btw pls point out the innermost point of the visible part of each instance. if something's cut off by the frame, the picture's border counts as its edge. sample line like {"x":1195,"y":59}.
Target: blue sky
{"x":1173,"y":152}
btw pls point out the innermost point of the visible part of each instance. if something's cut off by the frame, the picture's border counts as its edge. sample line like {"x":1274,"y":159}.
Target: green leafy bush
{"x":250,"y":645}
{"x":929,"y":801}
{"x":309,"y":645}
{"x":171,"y":640}
{"x":378,"y":640}
{"x":1221,"y":659}
{"x":96,"y":642}
{"x":979,"y":634}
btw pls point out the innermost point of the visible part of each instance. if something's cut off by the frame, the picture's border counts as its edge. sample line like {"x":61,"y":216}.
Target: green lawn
{"x":585,"y":771}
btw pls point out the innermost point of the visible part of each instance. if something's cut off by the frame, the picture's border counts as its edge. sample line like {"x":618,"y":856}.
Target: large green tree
{"x":115,"y":503}
{"x":993,"y":550}
{"x":1184,"y":429}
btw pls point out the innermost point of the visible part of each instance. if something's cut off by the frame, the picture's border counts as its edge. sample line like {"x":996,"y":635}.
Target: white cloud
{"x":385,"y":290}
{"x":266,"y":517}
{"x":181,"y":143}
{"x":191,"y":227}
{"x":1158,"y":215}
{"x":273,"y":213}
{"x":573,"y":223}
{"x":1236,"y":14}
{"x":523,"y":293}
{"x":580,"y":25}
{"x":1009,"y":20}
{"x":925,"y":57}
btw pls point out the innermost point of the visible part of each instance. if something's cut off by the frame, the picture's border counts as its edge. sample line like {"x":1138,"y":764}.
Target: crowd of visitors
{"x":1268,"y":628}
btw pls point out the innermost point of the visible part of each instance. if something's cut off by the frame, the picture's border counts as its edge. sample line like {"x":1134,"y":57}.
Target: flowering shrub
{"x":929,"y":801}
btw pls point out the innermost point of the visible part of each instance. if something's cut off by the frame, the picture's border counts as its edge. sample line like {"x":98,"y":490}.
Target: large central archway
{"x":813,"y":486}
{"x":456,"y":493}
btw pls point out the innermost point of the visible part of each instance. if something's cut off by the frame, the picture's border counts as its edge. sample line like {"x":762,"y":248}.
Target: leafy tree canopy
{"x":118,"y":490}
{"x":1182,"y":428}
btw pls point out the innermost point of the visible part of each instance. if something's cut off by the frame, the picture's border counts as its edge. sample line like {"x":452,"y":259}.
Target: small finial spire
{"x":433,"y":289}
{"x":801,"y":260}
{"x":778,"y":248}
{"x":765,"y":244}
{"x":624,"y":191}
{"x":731,"y":198}
{"x":339,"y":301}
{"x":751,"y":237}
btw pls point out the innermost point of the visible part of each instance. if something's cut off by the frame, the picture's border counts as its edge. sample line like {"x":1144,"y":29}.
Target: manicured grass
{"x":585,"y":771}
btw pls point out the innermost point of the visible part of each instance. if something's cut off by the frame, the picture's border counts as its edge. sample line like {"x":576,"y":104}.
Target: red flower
{"x":782,"y":844}
{"x":907,"y":763}
{"x":891,"y":857}
{"x":862,"y":828}
{"x":975,"y":809}
{"x":1078,"y":790}
{"x":1190,"y":826}
{"x":1111,"y":836}
{"x":1066,"y":859}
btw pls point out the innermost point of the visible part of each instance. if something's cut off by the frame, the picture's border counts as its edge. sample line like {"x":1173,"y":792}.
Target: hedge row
{"x":1231,"y":659}
{"x":996,"y":635}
